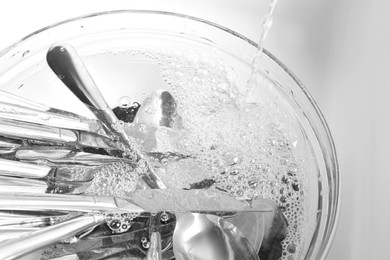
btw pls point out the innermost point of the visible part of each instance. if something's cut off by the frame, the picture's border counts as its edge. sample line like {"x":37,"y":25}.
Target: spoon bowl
{"x":205,"y":236}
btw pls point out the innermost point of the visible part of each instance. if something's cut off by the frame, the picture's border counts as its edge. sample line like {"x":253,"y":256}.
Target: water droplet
{"x":239,"y":193}
{"x":142,"y":163}
{"x":115,"y":224}
{"x":234,"y":172}
{"x":252,"y":184}
{"x":164,"y":217}
{"x":142,"y":128}
{"x":146,"y":245}
{"x":295,"y":186}
{"x":291,"y":248}
{"x":164,"y":161}
{"x":249,"y":196}
{"x":124,"y":226}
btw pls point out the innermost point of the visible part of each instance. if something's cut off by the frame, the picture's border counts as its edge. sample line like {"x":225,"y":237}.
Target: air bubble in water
{"x":125,"y":101}
{"x":115,"y":224}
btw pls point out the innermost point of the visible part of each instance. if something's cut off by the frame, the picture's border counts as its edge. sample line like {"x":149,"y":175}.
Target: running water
{"x":256,"y":62}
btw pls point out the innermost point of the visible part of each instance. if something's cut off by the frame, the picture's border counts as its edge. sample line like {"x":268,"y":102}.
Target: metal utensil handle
{"x":18,"y":247}
{"x":68,"y":66}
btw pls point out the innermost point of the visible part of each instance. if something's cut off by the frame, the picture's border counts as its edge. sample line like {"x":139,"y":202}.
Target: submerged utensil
{"x":12,"y":185}
{"x":68,"y":66}
{"x":7,"y":233}
{"x":26,"y":170}
{"x":20,"y":130}
{"x":62,"y":155}
{"x":59,"y":185}
{"x":9,"y":146}
{"x":152,"y":200}
{"x":154,"y":252}
{"x":61,"y":119}
{"x":18,"y":247}
{"x":6,"y":97}
{"x":205,"y":236}
{"x":51,"y":175}
{"x":25,"y":119}
{"x":59,"y":202}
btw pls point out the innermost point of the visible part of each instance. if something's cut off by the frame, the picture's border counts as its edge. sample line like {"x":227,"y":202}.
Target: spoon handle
{"x":59,"y":202}
{"x":68,"y":66}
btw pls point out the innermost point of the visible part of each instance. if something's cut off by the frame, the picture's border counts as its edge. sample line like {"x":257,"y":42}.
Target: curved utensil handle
{"x":68,"y":66}
{"x":70,"y":69}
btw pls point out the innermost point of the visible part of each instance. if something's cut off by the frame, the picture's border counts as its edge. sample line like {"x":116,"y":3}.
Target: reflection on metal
{"x":47,"y":202}
{"x":18,"y":130}
{"x":68,"y":66}
{"x":18,"y":247}
{"x":26,"y":170}
{"x":154,"y":252}
{"x":61,"y":119}
{"x":203,"y":236}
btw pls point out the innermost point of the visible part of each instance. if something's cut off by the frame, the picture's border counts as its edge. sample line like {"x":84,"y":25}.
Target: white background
{"x":339,"y":49}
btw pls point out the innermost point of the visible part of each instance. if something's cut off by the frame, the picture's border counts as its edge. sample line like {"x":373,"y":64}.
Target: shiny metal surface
{"x":205,"y":237}
{"x":60,"y":155}
{"x":18,"y":247}
{"x":7,"y":233}
{"x":19,"y":130}
{"x":152,"y":200}
{"x":252,"y":224}
{"x":47,"y":202}
{"x":154,"y":252}
{"x":9,"y":98}
{"x":25,"y":170}
{"x":68,"y":66}
{"x":61,"y":119}
{"x":12,"y":185}
{"x":22,"y":130}
{"x":8,"y":146}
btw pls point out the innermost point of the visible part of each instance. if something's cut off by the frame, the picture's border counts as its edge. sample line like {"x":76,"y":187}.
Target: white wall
{"x":339,"y":49}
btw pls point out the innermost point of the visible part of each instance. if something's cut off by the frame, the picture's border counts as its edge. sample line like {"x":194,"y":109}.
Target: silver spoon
{"x":204,"y":237}
{"x":68,"y":66}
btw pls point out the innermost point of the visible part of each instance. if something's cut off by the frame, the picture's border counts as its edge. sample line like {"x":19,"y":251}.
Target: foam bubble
{"x":248,"y":149}
{"x":115,"y":179}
